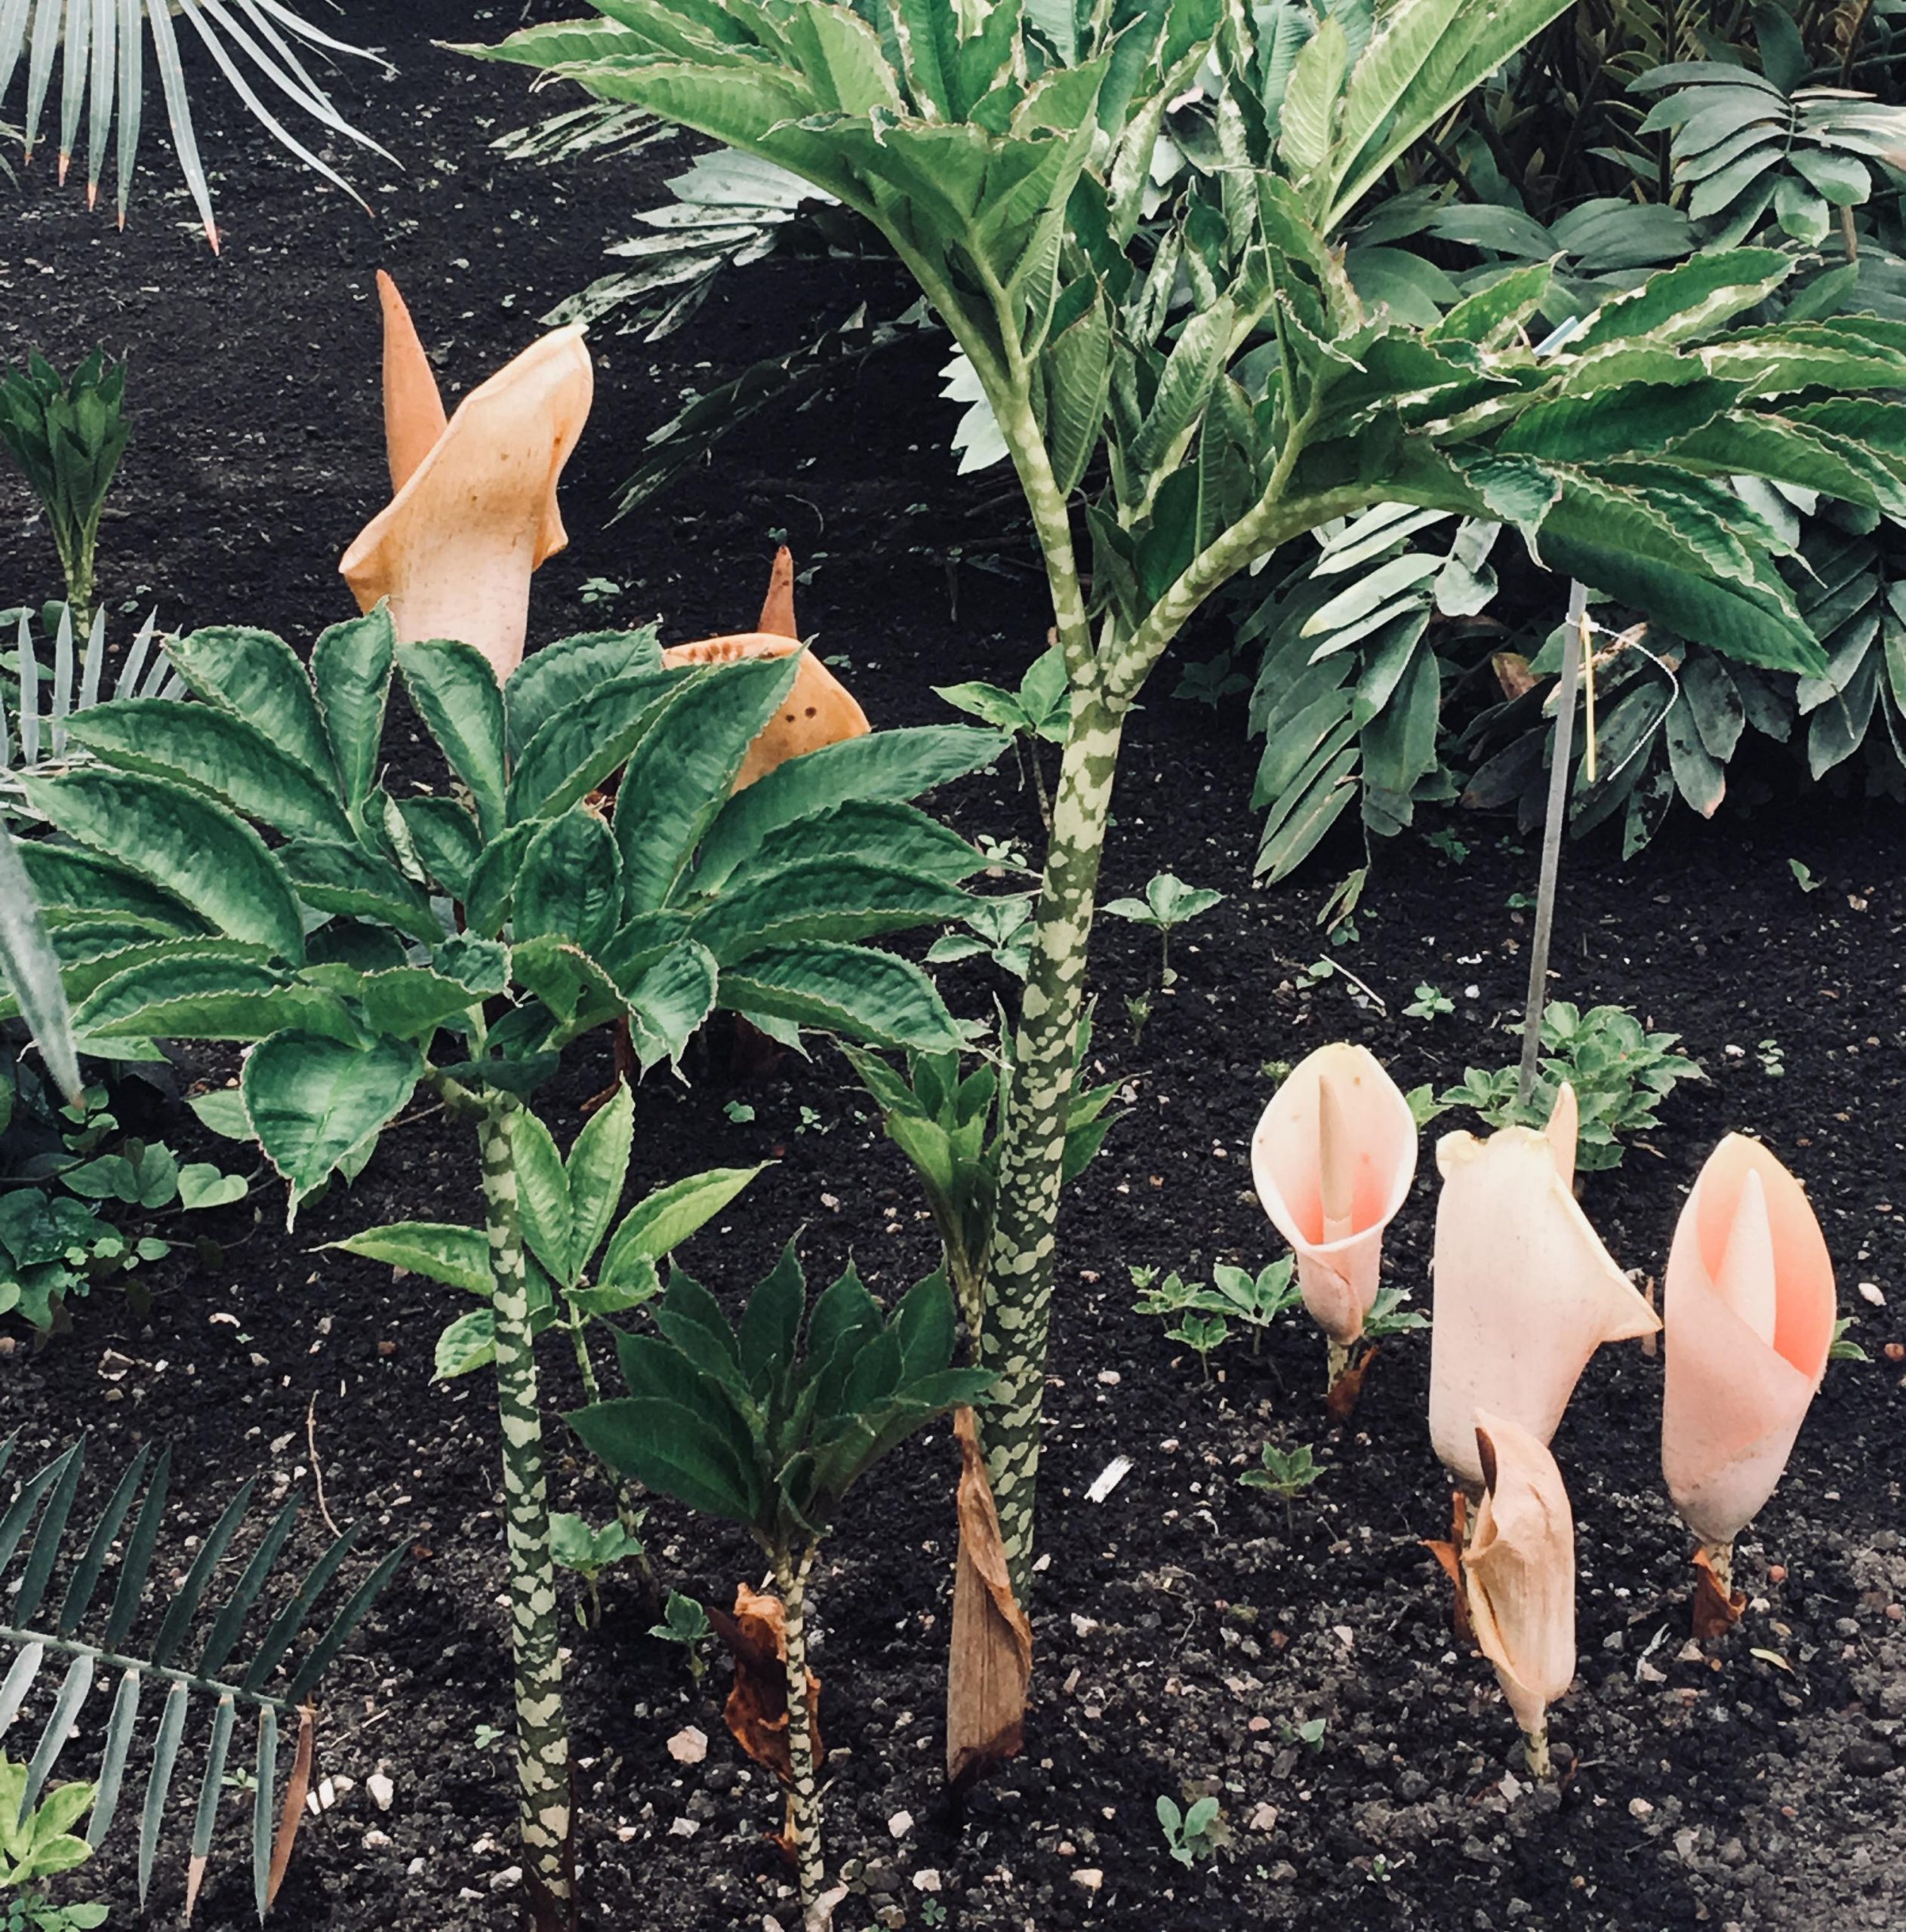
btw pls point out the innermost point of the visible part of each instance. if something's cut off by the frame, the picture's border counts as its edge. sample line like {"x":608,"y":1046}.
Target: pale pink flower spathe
{"x":1519,"y":1569}
{"x":1524,"y":1293}
{"x":1333,"y":1157}
{"x":1748,"y":1300}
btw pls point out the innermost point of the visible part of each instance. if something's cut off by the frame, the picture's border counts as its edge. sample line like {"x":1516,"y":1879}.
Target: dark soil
{"x":1184,"y":1632}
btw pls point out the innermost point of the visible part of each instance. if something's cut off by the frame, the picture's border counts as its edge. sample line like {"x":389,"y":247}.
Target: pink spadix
{"x":1520,"y":1572}
{"x":1748,"y":1300}
{"x":475,"y":509}
{"x":1525,"y":1292}
{"x":1333,"y":1157}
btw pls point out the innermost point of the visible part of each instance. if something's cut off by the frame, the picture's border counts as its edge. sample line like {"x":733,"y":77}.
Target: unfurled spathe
{"x":1333,"y":1157}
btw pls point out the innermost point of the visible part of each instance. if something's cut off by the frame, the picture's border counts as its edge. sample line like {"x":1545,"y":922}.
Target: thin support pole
{"x":1574,"y":650}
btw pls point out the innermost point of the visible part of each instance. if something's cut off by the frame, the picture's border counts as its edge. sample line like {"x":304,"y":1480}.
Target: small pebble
{"x":901,"y":1823}
{"x":507,"y":1879}
{"x":1088,"y":1878}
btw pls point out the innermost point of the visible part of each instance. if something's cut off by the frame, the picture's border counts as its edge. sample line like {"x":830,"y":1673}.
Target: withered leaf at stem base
{"x":1715,"y":1611}
{"x":756,"y":1711}
{"x":990,"y":1662}
{"x":1449,"y":1557}
{"x":1341,"y":1401}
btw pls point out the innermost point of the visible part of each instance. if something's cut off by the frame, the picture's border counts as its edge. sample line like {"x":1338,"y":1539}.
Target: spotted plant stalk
{"x":1210,"y":380}
{"x":542,"y":1727}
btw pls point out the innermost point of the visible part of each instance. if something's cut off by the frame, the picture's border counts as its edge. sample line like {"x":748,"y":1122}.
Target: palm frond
{"x":100,"y":45}
{"x":36,"y":1635}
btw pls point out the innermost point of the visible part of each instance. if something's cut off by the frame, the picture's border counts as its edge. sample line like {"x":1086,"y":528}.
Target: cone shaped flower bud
{"x":1520,"y":1570}
{"x":1749,"y":1305}
{"x":475,"y":511}
{"x":819,"y":710}
{"x":1333,"y":1157}
{"x":1525,"y":1292}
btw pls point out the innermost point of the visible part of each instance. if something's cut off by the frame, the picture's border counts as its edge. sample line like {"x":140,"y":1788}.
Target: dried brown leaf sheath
{"x":757,"y":1710}
{"x":291,"y":1813}
{"x":1715,"y":1610}
{"x":991,"y":1660}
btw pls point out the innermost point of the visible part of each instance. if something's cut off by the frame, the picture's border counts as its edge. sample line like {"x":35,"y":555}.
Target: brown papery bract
{"x":756,"y":1711}
{"x":990,"y":1662}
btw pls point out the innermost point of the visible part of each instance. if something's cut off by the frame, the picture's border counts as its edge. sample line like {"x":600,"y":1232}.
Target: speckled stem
{"x":792,"y":1579}
{"x":1020,"y":1261}
{"x":542,"y":1728}
{"x":1720,"y":1560}
{"x":1535,"y":1749}
{"x":1336,"y":1362}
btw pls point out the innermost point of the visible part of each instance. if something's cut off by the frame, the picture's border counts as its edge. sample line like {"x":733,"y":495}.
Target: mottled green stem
{"x":1020,"y":1263}
{"x":1336,"y":1362}
{"x":792,"y":1579}
{"x":542,"y":1728}
{"x":1535,"y":1750}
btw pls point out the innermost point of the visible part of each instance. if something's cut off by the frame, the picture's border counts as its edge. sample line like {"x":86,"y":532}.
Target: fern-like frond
{"x":40,"y":1630}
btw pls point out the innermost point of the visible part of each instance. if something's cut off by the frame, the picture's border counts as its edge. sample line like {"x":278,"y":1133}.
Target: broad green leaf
{"x":67,"y":878}
{"x":212,"y":751}
{"x":202,"y":999}
{"x":455,"y":693}
{"x":1428,"y":59}
{"x":899,"y":835}
{"x":338,"y":877}
{"x":402,"y":1002}
{"x":771,"y":1325}
{"x":259,"y":677}
{"x":456,"y":1256}
{"x":1613,"y":539}
{"x":658,"y":1225}
{"x":29,"y":968}
{"x":550,"y":680}
{"x":670,"y":1000}
{"x":1078,"y":366}
{"x":493,"y":880}
{"x":887,"y":767}
{"x":1615,"y":422}
{"x":201,"y":1185}
{"x":679,"y":775}
{"x":1309,"y":105}
{"x":180,"y":840}
{"x":827,"y":899}
{"x":597,"y":1167}
{"x":854,"y":991}
{"x":570,"y":881}
{"x":467,"y":1344}
{"x":543,"y":1195}
{"x":673,"y":1449}
{"x":1688,"y":302}
{"x":313,"y":1103}
{"x":579,"y":747}
{"x":446,"y":839}
{"x":350,"y":666}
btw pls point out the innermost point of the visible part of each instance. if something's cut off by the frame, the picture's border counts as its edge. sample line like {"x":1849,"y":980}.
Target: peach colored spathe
{"x":474,"y":511}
